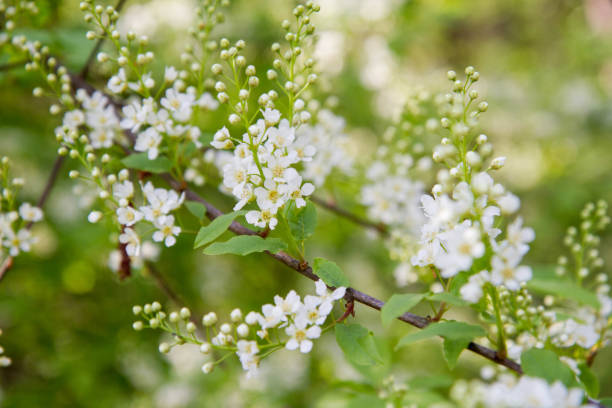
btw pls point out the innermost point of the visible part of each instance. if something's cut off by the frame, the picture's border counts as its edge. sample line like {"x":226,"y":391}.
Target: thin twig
{"x":163,"y":284}
{"x":333,"y":207}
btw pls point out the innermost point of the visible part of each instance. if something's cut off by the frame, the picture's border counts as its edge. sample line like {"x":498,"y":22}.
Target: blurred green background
{"x":546,"y":68}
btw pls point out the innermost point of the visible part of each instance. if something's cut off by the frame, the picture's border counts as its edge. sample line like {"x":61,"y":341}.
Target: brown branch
{"x":163,"y":284}
{"x":304,"y":269}
{"x":333,"y":207}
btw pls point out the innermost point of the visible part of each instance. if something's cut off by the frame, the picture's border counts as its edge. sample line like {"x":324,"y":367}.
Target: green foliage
{"x":245,"y":244}
{"x":546,"y":364}
{"x":358,"y":344}
{"x":456,"y":335}
{"x":197,"y":209}
{"x":140,"y":161}
{"x":302,"y":221}
{"x":214,"y":230}
{"x":589,"y":380}
{"x":563,"y":288}
{"x":330,"y":273}
{"x":397,"y":305}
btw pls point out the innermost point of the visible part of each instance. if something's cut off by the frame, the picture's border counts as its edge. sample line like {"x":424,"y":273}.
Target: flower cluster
{"x":290,"y":323}
{"x":15,"y":220}
{"x":461,"y":214}
{"x":266,"y":154}
{"x":262,"y":168}
{"x":508,"y":392}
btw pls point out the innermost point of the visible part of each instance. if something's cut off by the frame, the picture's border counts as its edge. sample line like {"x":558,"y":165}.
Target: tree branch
{"x":333,"y":207}
{"x":304,"y":269}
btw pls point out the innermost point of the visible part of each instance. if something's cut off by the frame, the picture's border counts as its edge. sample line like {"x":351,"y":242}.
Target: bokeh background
{"x":546,"y":68}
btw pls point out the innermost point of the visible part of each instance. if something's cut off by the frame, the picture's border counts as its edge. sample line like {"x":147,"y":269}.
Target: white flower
{"x":270,"y":316}
{"x":30,"y":213}
{"x":262,"y":218}
{"x":167,"y":230}
{"x":207,"y":101}
{"x":148,"y":141}
{"x":472,"y":290}
{"x":94,"y":216}
{"x":327,"y":297}
{"x":128,"y":216}
{"x":300,"y":336}
{"x":519,"y":237}
{"x":131,"y":240}
{"x":221,"y":139}
{"x":247,"y":353}
{"x":170,"y":74}
{"x":290,"y":304}
{"x":123,"y":190}
{"x":20,"y":242}
{"x":179,"y":104}
{"x":102,"y":138}
{"x":460,"y":246}
{"x":135,"y":116}
{"x":506,"y":270}
{"x":271,"y":116}
{"x":294,"y":189}
{"x":118,"y":83}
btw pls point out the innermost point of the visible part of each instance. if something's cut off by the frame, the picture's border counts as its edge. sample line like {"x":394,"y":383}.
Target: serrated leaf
{"x":451,"y":330}
{"x":397,"y":305}
{"x":358,"y":344}
{"x":197,"y":209}
{"x":217,"y":227}
{"x":302,"y":221}
{"x":330,"y":273}
{"x":447,"y":298}
{"x":244,"y":245}
{"x":546,"y":364}
{"x":589,"y":380}
{"x":140,"y":161}
{"x":563,"y":288}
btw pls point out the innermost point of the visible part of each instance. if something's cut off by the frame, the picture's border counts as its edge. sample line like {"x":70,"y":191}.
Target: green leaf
{"x":197,"y":209}
{"x":447,"y":298}
{"x":398,"y":305}
{"x":434,"y":381}
{"x":589,"y":380}
{"x":302,"y":221}
{"x":452,"y":350}
{"x":457,"y":335}
{"x":546,"y":364}
{"x":217,"y":227}
{"x":140,"y":161}
{"x":358,"y":344}
{"x":245,"y":244}
{"x":330,"y":273}
{"x":563,"y":288}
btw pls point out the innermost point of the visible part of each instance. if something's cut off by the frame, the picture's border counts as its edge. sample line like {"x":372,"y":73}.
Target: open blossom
{"x":506,"y":270}
{"x":301,"y":336}
{"x":247,"y":354}
{"x":131,"y":240}
{"x":128,"y":216}
{"x":18,"y":242}
{"x":461,"y":246}
{"x":30,"y":213}
{"x":148,"y":141}
{"x":167,"y":230}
